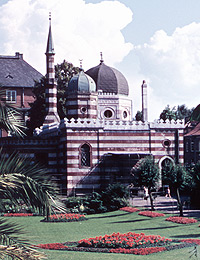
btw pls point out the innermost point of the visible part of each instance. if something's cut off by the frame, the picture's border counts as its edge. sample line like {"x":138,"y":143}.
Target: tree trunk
{"x":180,"y":205}
{"x":151,"y":201}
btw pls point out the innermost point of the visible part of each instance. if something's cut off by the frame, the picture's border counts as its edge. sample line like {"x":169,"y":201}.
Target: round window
{"x":125,"y":114}
{"x":166,"y":143}
{"x":83,"y":110}
{"x":108,"y":113}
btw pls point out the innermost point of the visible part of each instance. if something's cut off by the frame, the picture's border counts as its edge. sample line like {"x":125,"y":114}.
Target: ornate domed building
{"x":113,"y":90}
{"x":99,"y":142}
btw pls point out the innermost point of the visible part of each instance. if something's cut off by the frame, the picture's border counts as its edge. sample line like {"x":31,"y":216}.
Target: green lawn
{"x":101,"y":224}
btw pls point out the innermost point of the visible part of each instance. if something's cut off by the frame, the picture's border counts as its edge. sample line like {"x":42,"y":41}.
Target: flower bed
{"x":122,"y":244}
{"x":191,"y":241}
{"x":68,"y":217}
{"x":18,"y":214}
{"x":181,"y":220}
{"x":128,"y":240}
{"x":129,"y":209}
{"x":138,"y":251}
{"x":52,"y":246}
{"x":151,"y":214}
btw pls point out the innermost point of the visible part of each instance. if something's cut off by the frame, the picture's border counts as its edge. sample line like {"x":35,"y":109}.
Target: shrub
{"x":112,"y":198}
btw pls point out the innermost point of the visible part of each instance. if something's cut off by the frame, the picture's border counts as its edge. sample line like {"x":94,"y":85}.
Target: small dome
{"x":108,"y":79}
{"x":81,"y":82}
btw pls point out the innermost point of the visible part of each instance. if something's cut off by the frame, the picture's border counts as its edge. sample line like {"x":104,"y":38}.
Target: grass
{"x":119,"y":221}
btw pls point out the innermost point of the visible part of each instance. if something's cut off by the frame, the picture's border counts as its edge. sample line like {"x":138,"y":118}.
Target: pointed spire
{"x":50,"y":47}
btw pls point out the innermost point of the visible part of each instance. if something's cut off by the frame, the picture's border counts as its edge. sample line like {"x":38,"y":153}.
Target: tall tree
{"x":176,"y":176}
{"x":180,"y":112}
{"x":196,"y":114}
{"x":63,"y":73}
{"x":146,"y":173}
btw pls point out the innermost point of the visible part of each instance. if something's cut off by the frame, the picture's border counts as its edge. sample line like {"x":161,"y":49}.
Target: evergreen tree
{"x":63,"y":73}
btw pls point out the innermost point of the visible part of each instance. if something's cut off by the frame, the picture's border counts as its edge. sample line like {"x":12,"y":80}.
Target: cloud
{"x":80,"y":30}
{"x":171,"y":63}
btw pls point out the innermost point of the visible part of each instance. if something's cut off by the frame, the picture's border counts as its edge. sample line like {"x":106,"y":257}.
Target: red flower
{"x":129,"y":209}
{"x":193,"y":241}
{"x":138,"y":251}
{"x":18,"y":214}
{"x":151,"y":214}
{"x":181,"y":220}
{"x":52,"y":246}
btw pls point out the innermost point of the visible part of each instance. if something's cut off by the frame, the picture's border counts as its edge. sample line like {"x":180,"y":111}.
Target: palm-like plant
{"x":20,"y":179}
{"x":10,"y":117}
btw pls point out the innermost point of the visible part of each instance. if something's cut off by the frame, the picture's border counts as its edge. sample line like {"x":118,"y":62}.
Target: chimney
{"x":144,"y":102}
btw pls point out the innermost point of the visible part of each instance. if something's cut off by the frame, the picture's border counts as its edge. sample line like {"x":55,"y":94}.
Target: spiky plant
{"x":20,"y":179}
{"x":10,"y":117}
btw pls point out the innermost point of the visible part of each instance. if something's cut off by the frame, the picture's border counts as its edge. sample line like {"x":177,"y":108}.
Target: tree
{"x":63,"y":73}
{"x":138,"y":116}
{"x":146,"y":173}
{"x":176,"y":113}
{"x":196,"y":114}
{"x":176,"y":176}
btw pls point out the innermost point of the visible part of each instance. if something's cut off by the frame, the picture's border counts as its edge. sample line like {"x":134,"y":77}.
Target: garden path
{"x":166,"y":204}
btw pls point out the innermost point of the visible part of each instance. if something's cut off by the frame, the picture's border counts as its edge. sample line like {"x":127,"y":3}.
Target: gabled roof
{"x":195,"y":131}
{"x":15,"y":72}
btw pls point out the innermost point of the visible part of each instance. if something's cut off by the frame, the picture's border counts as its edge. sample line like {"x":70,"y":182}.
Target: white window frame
{"x":11,"y":96}
{"x":192,"y":146}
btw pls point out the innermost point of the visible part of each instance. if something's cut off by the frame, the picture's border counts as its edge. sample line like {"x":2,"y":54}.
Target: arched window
{"x":85,"y":155}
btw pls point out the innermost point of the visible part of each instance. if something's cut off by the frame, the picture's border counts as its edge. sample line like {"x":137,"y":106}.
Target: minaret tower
{"x":51,"y":88}
{"x":144,"y":101}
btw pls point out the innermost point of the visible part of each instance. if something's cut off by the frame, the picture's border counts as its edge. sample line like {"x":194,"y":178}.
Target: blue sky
{"x":155,"y":40}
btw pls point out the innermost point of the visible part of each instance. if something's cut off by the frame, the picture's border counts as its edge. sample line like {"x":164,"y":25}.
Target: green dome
{"x":81,"y":83}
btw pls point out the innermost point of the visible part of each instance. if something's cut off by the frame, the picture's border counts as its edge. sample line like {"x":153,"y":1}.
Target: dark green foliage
{"x":194,"y":174}
{"x":176,"y":177}
{"x":176,"y":113}
{"x":37,"y":111}
{"x":146,"y":173}
{"x":112,"y":198}
{"x":196,"y":114}
{"x":138,"y":116}
{"x":63,"y":73}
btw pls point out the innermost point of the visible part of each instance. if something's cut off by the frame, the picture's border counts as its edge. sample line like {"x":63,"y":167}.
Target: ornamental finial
{"x":101,"y":55}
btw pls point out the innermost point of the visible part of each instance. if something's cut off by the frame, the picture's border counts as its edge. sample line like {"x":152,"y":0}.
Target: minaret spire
{"x":50,"y":47}
{"x":51,"y":88}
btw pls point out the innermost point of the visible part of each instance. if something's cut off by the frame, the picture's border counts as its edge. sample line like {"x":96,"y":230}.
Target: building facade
{"x":99,"y":142}
{"x":17,"y":78}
